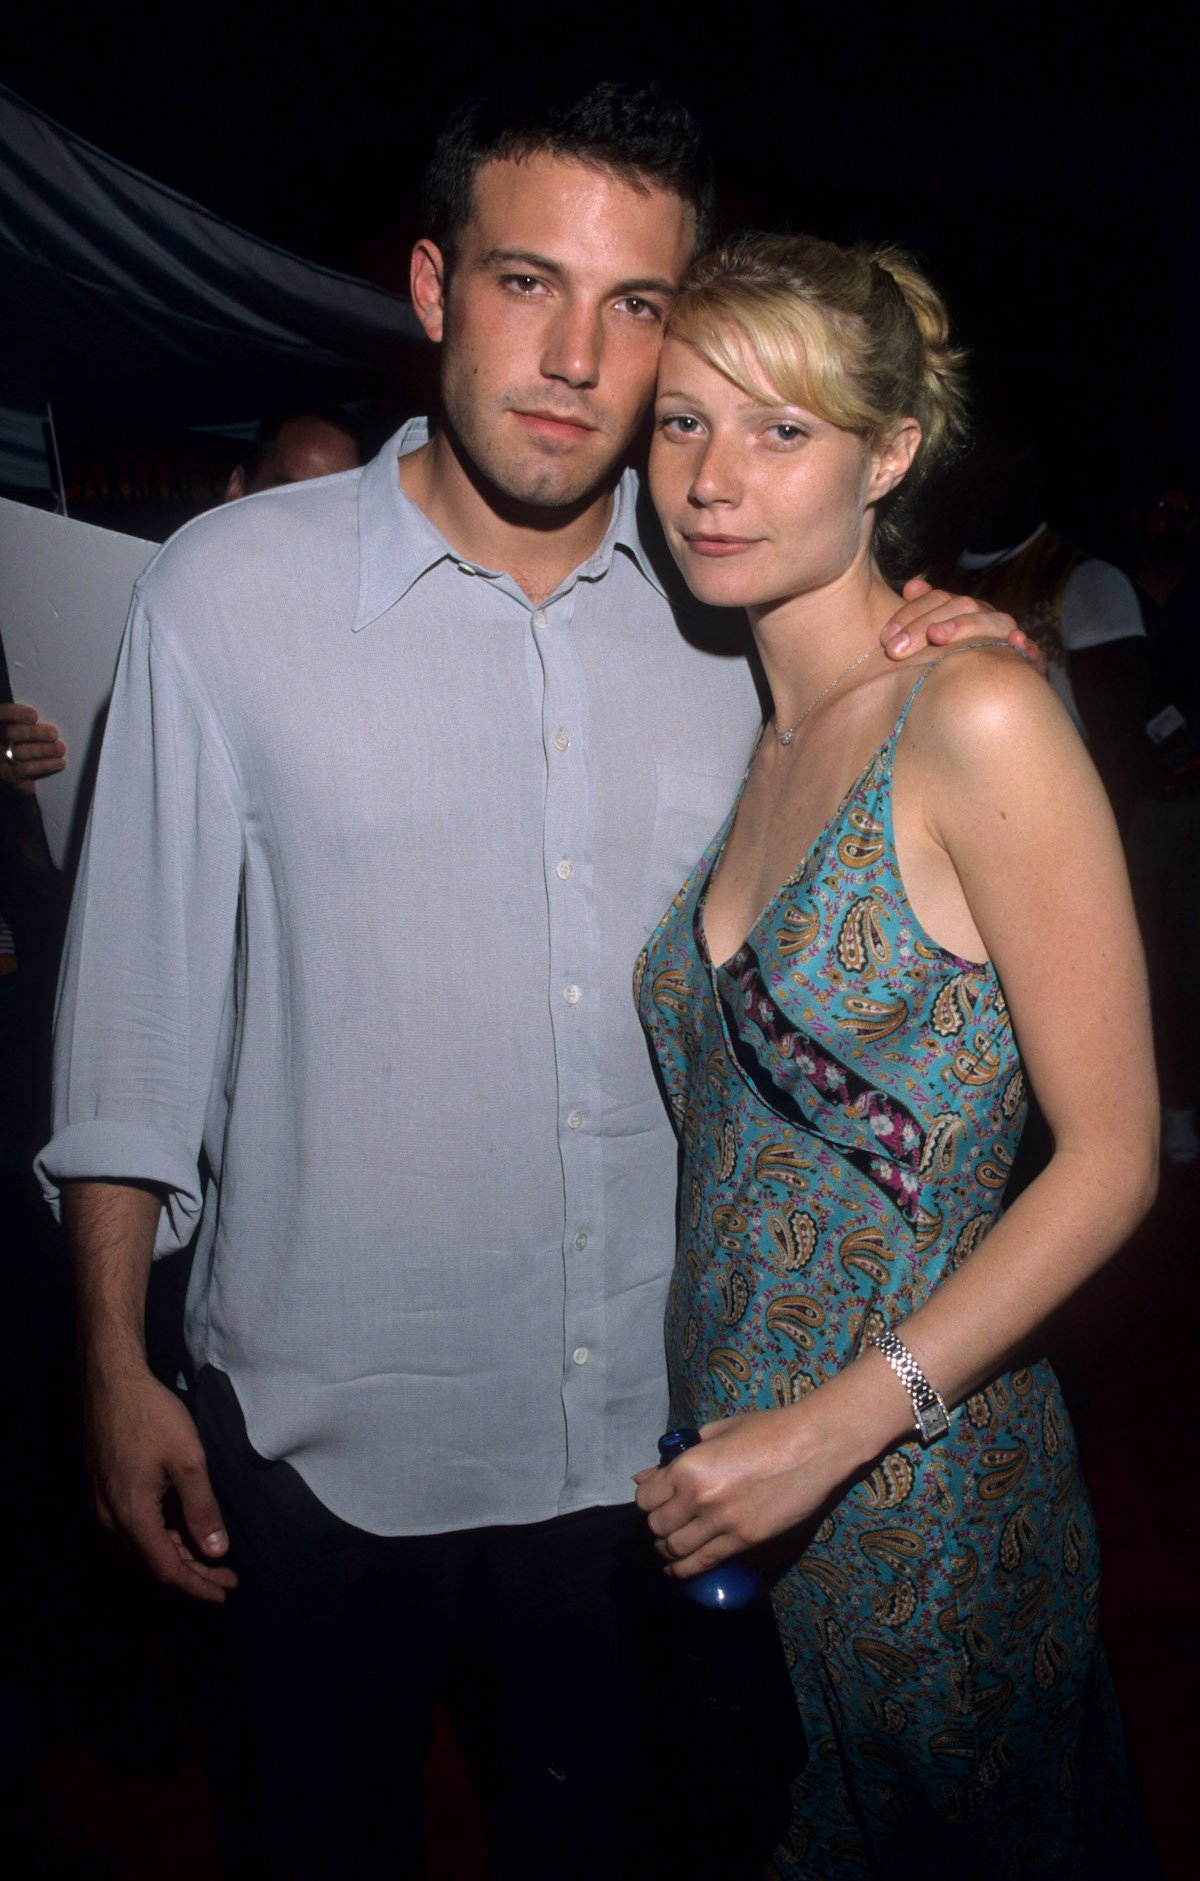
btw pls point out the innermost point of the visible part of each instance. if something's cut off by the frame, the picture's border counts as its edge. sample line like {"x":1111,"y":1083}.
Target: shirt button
{"x":574,"y":1119}
{"x":464,"y":568}
{"x":580,"y":1241}
{"x":560,"y":741}
{"x":571,"y":995}
{"x":580,"y":1355}
{"x":563,"y":870}
{"x":539,"y":617}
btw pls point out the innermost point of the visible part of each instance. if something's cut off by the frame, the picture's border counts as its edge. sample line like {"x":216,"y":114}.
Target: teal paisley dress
{"x":848,"y":1097}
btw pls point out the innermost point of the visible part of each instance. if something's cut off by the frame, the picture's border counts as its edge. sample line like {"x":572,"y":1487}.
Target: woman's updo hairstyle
{"x":857,"y":335}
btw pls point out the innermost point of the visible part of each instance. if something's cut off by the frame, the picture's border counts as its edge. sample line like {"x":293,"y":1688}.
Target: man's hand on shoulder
{"x":28,"y":749}
{"x":141,"y":1446}
{"x":930,"y":617}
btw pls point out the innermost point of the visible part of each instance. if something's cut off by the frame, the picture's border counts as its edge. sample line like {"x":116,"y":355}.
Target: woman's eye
{"x":787,"y":433}
{"x":681,"y":423}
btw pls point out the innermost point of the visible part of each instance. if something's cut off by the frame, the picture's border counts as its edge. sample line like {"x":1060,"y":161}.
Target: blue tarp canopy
{"x":121,"y":296}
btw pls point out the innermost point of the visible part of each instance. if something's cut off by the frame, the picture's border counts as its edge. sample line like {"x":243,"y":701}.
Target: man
{"x":428,"y":753}
{"x":289,"y":447}
{"x":293,"y":445}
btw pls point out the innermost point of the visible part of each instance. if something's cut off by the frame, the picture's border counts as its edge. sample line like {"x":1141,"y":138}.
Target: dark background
{"x":1041,"y":163}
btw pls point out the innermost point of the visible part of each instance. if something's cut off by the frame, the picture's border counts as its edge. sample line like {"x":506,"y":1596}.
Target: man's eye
{"x":639,"y":308}
{"x":522,"y":283}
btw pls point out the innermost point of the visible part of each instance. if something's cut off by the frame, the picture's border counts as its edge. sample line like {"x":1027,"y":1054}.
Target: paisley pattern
{"x":849,"y":1098}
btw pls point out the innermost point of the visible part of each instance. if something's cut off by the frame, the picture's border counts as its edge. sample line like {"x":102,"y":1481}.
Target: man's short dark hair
{"x":639,"y":132}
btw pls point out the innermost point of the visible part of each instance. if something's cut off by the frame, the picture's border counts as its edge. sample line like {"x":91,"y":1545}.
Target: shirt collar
{"x":397,"y":543}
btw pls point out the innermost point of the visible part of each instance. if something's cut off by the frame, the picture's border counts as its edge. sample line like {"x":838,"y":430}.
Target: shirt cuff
{"x":101,"y":1149}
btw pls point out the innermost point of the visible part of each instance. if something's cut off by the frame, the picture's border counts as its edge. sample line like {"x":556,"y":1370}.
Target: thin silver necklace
{"x":785,"y":737}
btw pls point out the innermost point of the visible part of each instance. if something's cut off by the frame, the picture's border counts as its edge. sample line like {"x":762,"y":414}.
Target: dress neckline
{"x":795,"y":875}
{"x":798,"y":872}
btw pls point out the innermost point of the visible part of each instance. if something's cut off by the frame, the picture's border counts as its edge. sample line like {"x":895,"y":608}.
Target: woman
{"x":912,"y":875}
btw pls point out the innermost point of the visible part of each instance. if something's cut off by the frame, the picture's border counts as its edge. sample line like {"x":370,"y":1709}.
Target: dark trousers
{"x":550,"y":1643}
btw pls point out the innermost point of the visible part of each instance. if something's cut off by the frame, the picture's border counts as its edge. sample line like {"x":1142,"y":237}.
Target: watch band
{"x":930,"y":1415}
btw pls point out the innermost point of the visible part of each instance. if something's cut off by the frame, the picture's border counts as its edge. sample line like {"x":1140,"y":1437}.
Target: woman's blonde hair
{"x":857,"y":335}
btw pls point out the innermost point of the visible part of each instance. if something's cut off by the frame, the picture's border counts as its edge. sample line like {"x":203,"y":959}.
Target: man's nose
{"x":573,"y":347}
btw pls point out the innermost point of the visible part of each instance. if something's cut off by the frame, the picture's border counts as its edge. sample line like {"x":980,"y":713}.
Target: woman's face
{"x":760,"y":500}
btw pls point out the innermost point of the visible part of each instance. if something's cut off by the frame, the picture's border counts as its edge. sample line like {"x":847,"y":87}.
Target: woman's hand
{"x":754,"y":1477}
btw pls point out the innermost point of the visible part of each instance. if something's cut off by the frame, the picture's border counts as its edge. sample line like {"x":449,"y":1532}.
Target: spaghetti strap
{"x":965,"y":646}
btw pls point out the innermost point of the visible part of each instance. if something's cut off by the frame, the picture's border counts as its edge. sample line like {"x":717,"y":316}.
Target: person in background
{"x":1081,"y":611}
{"x":1164,"y":836}
{"x":290,"y":445}
{"x":835,"y":997}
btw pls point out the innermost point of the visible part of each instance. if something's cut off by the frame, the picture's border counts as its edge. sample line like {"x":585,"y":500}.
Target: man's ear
{"x":237,"y":484}
{"x":427,"y":284}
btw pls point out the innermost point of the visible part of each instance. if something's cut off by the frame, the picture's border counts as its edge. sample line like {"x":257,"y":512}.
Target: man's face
{"x":306,"y":447}
{"x":552,"y":321}
{"x":1167,"y":524}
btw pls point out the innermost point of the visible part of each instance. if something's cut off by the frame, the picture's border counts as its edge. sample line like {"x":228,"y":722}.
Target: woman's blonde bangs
{"x":771,"y":345}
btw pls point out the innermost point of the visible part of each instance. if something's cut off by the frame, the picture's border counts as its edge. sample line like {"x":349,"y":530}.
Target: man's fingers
{"x":202,"y":1516}
{"x":910,"y":623}
{"x":164,"y":1556}
{"x":1030,"y":649}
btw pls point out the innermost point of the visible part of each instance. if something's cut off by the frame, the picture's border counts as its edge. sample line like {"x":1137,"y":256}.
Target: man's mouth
{"x":549,"y":424}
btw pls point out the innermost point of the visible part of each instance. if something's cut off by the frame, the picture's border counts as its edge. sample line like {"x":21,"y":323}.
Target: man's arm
{"x":139,"y":1037}
{"x":140,"y":1442}
{"x":28,"y":749}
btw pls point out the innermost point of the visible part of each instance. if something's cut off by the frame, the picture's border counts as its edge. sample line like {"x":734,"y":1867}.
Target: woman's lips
{"x":718,"y":546}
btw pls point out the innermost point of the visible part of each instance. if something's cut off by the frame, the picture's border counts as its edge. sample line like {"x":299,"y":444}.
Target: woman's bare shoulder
{"x":983,"y":700}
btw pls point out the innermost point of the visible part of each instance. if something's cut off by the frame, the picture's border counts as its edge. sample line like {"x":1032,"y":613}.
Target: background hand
{"x":37,"y":750}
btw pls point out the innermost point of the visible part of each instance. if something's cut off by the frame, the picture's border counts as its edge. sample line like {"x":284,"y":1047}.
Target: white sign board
{"x":65,"y":589}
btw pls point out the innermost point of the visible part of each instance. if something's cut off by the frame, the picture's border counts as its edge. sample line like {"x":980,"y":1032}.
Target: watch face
{"x":932,"y":1421}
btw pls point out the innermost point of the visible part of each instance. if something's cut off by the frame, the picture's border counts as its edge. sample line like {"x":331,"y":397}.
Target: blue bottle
{"x":732,"y":1704}
{"x":731,"y":1585}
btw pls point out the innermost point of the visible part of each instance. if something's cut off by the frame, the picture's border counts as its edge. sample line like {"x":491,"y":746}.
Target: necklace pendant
{"x":785,"y":738}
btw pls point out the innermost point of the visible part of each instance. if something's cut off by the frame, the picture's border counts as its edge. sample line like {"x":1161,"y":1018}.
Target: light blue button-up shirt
{"x":374,"y":845}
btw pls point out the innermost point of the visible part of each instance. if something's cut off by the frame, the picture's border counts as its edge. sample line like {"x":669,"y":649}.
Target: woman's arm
{"x":1011,"y":797}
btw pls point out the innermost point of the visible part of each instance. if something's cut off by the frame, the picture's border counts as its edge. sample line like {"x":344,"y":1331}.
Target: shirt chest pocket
{"x":689,"y":808}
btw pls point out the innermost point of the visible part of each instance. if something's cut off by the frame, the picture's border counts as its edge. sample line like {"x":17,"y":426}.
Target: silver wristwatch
{"x":929,"y":1409}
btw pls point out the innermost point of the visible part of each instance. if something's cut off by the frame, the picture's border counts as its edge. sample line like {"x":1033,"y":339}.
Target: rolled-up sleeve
{"x":147,"y":979}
